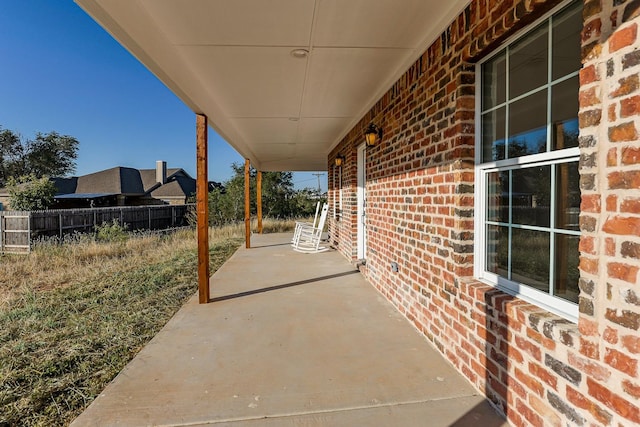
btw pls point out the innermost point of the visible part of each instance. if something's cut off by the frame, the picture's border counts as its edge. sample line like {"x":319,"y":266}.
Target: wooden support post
{"x":202,"y":207}
{"x":259,"y":200}
{"x":247,"y":204}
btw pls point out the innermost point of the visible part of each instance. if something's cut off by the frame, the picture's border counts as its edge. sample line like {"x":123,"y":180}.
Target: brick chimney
{"x":161,"y":172}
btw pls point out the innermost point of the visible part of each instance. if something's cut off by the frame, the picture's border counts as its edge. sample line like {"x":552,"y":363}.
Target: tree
{"x":48,"y":154}
{"x":30,"y":193}
{"x":279,"y":198}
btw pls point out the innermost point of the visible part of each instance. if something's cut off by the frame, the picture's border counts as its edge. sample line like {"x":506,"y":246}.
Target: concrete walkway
{"x":289,"y":340}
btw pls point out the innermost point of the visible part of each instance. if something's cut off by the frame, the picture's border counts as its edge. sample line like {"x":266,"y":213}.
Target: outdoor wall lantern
{"x":339,"y":161}
{"x":372,"y":135}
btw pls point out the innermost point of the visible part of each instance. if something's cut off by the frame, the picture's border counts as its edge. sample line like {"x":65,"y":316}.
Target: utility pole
{"x":319,"y":189}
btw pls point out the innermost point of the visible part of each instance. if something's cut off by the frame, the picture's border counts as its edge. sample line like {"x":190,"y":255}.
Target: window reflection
{"x":528,"y":125}
{"x":530,"y":258}
{"x":531,"y":196}
{"x":498,"y":250}
{"x":493,"y":128}
{"x":528,"y":62}
{"x":568,"y":196}
{"x":566,"y":271}
{"x":498,"y":196}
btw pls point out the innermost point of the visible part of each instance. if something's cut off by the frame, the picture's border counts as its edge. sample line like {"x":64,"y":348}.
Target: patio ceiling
{"x":231,"y":60}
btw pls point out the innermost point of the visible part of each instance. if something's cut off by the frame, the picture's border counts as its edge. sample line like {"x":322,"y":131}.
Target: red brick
{"x":621,"y":362}
{"x":630,"y":106}
{"x":623,"y":37}
{"x":529,"y":382}
{"x":529,"y":414}
{"x":612,"y":203}
{"x":610,"y":246}
{"x":624,"y":180}
{"x":589,"y":265}
{"x":551,"y":418}
{"x":623,"y":226}
{"x":528,"y":347}
{"x":631,"y":343}
{"x":543,"y":374}
{"x":587,"y":245}
{"x":588,"y":75}
{"x":612,"y":157}
{"x":588,"y":327}
{"x":515,"y":419}
{"x":610,"y":335}
{"x":549,"y":344}
{"x":630,"y":156}
{"x":582,"y":402}
{"x":623,"y":132}
{"x":589,"y":349}
{"x":588,"y":98}
{"x":612,"y":113}
{"x":590,"y":203}
{"x":630,"y":205}
{"x":631,"y":389}
{"x":623,"y":272}
{"x":626,"y":86}
{"x":611,"y":400}
{"x":592,"y":29}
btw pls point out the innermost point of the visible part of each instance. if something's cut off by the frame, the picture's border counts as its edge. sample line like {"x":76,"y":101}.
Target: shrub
{"x":112,"y":232}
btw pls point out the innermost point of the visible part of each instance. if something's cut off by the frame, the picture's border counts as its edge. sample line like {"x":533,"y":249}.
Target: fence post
{"x":1,"y":232}
{"x":29,"y":233}
{"x":60,"y":224}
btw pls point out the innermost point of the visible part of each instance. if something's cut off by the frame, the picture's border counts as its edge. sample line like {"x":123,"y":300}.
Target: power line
{"x":318,"y":175}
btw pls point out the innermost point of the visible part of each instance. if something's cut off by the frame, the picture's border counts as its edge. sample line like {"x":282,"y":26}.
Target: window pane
{"x":564,"y":114}
{"x":528,"y":125}
{"x":531,"y":196}
{"x":528,"y":62}
{"x":566,"y":267}
{"x":493,"y":140}
{"x":498,"y":250}
{"x":566,"y":41}
{"x":498,"y":196}
{"x":567,"y":196}
{"x":530,"y":258}
{"x":494,"y":82}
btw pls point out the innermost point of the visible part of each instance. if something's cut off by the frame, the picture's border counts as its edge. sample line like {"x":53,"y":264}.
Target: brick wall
{"x":610,"y":219}
{"x":537,"y":368}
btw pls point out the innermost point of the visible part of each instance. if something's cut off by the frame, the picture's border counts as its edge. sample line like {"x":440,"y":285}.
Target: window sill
{"x":519,"y":312}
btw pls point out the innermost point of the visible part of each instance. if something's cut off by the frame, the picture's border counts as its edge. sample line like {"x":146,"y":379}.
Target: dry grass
{"x":72,"y":315}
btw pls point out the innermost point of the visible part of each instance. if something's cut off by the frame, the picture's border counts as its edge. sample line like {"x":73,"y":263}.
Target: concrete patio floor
{"x":289,"y":340}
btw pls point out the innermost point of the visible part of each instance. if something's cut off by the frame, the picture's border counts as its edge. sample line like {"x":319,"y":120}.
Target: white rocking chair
{"x":308,"y":238}
{"x":302,"y":224}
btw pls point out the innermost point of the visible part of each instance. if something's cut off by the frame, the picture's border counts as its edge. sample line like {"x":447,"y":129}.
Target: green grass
{"x":72,"y":316}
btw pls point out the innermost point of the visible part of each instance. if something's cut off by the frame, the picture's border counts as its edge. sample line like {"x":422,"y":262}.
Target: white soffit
{"x":230,"y":60}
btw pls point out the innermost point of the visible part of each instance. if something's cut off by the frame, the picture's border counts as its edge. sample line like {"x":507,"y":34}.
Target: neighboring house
{"x":122,"y":186}
{"x":517,"y":118}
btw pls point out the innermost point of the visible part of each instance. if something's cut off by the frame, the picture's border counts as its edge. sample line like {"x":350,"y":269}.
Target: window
{"x":337,"y":192}
{"x":527,"y":180}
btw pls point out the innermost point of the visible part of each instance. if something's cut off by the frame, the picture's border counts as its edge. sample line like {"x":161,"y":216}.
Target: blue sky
{"x":62,"y":72}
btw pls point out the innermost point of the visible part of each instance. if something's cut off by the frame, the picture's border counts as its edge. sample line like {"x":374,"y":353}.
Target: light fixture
{"x":339,"y":160}
{"x":299,"y":53}
{"x":372,"y":135}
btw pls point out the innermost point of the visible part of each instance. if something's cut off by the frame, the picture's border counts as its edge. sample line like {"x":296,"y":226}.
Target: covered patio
{"x":289,"y":339}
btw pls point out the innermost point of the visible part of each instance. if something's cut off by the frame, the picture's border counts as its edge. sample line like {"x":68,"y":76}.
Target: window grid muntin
{"x":549,"y":301}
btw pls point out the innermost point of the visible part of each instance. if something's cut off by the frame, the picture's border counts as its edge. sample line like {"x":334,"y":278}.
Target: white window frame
{"x":554,"y":304}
